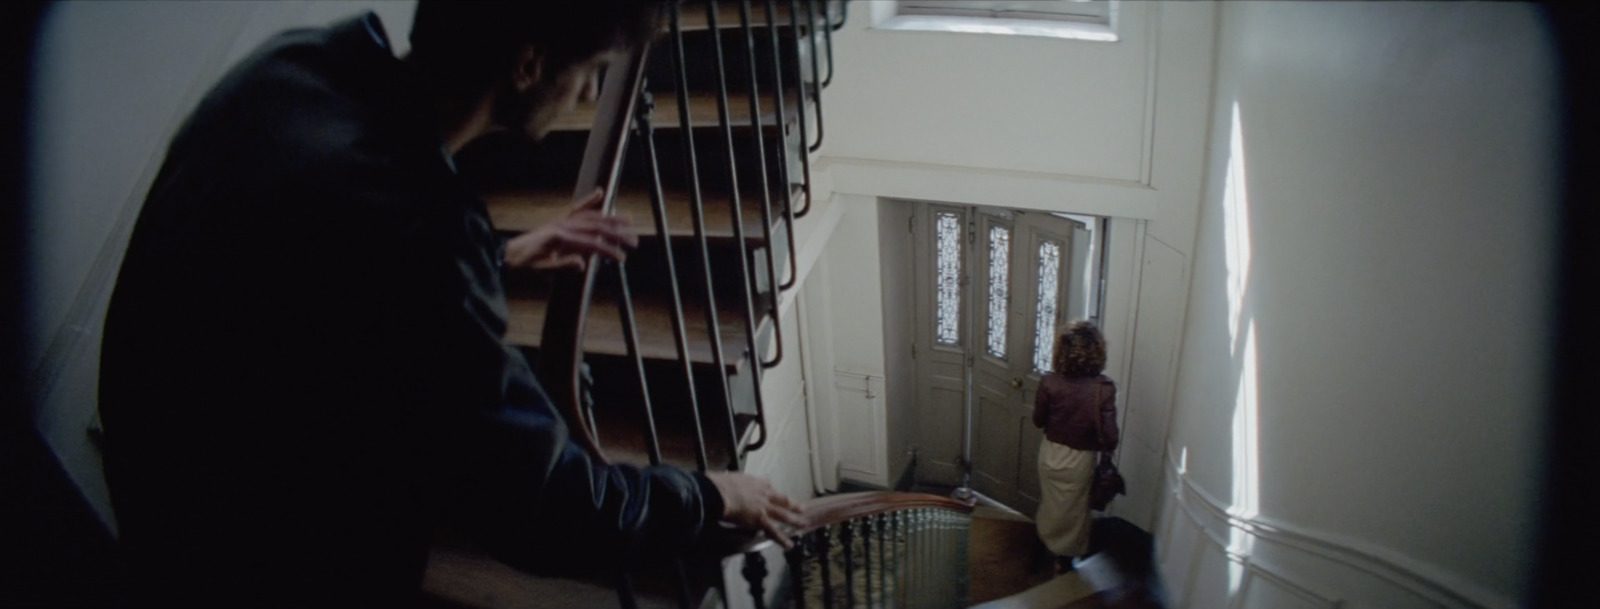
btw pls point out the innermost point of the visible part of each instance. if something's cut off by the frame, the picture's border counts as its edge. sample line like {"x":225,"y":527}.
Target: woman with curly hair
{"x":1076,"y":408}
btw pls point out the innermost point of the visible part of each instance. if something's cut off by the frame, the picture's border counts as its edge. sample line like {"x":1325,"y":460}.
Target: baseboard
{"x":905,"y":482}
{"x":847,"y":485}
{"x":908,"y":476}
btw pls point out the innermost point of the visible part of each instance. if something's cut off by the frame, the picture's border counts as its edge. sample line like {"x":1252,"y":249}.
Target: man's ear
{"x":529,"y":69}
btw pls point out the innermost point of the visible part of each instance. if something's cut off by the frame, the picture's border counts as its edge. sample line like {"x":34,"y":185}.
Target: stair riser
{"x":700,"y":54}
{"x":619,"y":415}
{"x":511,"y":163}
{"x":647,"y":270}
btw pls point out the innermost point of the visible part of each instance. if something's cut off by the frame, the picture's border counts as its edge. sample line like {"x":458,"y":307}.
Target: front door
{"x":1024,"y":286}
{"x":1025,"y":289}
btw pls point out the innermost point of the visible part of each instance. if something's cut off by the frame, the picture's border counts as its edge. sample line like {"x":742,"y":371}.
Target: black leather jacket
{"x":303,"y":375}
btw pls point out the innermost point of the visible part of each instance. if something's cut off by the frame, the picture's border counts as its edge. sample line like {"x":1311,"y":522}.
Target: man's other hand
{"x":567,"y":243}
{"x":750,"y":502}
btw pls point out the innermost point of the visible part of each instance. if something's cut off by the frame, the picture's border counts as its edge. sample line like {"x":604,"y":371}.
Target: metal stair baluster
{"x":726,"y":120}
{"x":800,"y":88}
{"x":631,"y":338}
{"x":866,"y":560}
{"x":755,"y":575}
{"x":847,"y":549}
{"x":766,"y":188}
{"x":816,"y":65}
{"x":697,"y":209}
{"x":680,"y":332}
{"x":783,"y":143}
{"x":795,"y":556}
{"x":827,"y":34}
{"x":825,"y":558}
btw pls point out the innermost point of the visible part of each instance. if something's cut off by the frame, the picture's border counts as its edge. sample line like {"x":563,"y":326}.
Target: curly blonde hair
{"x":1080,"y":350}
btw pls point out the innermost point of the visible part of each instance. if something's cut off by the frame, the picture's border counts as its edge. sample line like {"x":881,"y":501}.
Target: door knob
{"x":1016,"y":382}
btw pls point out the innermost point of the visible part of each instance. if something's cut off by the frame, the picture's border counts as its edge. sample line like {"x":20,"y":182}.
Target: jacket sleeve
{"x":500,"y":464}
{"x":536,"y":500}
{"x":1108,"y":417}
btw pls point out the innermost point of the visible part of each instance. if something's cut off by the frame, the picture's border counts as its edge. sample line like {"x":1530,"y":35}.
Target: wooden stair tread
{"x":463,"y":576}
{"x":702,"y":111}
{"x":623,"y":433}
{"x":694,"y":17}
{"x":524,"y":210}
{"x":653,"y":319}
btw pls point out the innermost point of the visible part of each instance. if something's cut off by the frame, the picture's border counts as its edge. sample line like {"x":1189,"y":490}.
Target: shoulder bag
{"x":1107,"y":482}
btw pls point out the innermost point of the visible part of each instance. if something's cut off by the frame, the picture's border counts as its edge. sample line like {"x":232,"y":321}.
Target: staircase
{"x":715,"y":171}
{"x":705,"y":142}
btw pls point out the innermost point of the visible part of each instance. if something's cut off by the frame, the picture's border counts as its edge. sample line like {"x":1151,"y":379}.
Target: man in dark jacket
{"x":304,"y":375}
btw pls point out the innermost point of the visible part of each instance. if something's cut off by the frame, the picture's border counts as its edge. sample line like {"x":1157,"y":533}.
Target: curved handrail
{"x":910,"y":529}
{"x":561,"y":342}
{"x":834,"y":509}
{"x":823,"y":512}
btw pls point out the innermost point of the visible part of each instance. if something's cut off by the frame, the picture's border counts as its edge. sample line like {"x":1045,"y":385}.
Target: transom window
{"x":1091,"y":20}
{"x":1085,"y":11}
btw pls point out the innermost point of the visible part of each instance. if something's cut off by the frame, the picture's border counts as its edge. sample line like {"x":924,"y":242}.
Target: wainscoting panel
{"x":860,"y":429}
{"x":1209,"y":558}
{"x":1177,"y":541}
{"x":1142,"y":468}
{"x":1263,"y":590}
{"x":1215,"y":578}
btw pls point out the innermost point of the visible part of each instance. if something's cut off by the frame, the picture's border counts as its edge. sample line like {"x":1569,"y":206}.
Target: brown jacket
{"x":1080,"y":412}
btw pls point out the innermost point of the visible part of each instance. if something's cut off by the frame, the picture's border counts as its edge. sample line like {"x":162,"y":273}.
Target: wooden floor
{"x":1011,"y":569}
{"x":1004,"y":555}
{"x":1008,"y":567}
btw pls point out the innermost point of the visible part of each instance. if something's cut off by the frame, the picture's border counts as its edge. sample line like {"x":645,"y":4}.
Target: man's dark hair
{"x":463,"y":48}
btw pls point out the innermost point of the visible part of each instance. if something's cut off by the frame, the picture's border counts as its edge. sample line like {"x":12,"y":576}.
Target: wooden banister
{"x":834,"y":509}
{"x":723,"y":218}
{"x":562,"y":341}
{"x":880,"y":549}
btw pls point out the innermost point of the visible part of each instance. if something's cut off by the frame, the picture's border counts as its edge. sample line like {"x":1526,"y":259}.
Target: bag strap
{"x":1100,"y":420}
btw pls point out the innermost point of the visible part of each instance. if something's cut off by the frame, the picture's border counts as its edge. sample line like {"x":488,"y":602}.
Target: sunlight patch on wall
{"x":1241,"y":329}
{"x":1236,"y":230}
{"x":1242,"y":341}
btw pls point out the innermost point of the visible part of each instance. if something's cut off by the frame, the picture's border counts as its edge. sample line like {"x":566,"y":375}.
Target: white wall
{"x":897,"y":291}
{"x":1362,"y":378}
{"x":1106,"y":128}
{"x":856,"y":321}
{"x":113,"y":81}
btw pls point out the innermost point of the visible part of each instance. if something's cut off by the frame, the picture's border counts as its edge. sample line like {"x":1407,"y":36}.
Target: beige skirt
{"x":1064,"y":477}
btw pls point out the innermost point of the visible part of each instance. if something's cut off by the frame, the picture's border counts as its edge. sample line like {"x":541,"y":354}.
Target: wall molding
{"x":810,"y":248}
{"x":1254,"y":573}
{"x":1016,"y":189}
{"x":1429,"y":584}
{"x":1152,"y":51}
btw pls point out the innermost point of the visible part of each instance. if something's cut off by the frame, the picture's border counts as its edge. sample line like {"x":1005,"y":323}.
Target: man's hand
{"x":568,"y":242}
{"x":752,"y":503}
